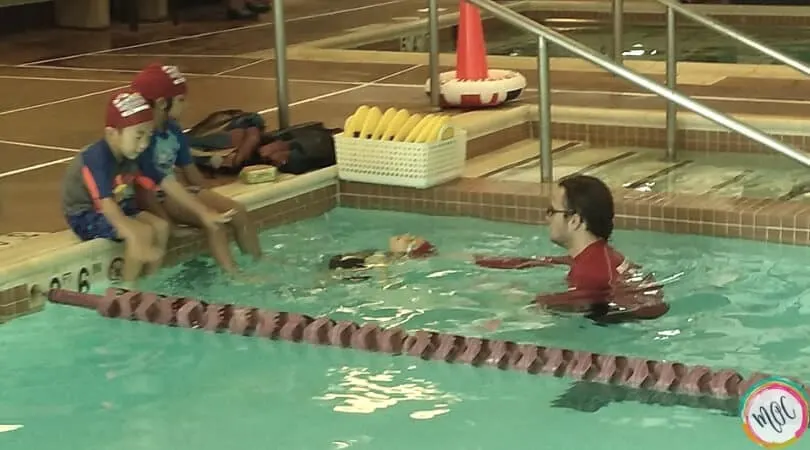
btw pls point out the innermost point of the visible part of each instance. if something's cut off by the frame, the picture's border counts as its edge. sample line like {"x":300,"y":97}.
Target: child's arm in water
{"x":516,"y":263}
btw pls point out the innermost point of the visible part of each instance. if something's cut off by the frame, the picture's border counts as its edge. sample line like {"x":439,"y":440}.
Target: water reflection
{"x":362,"y":391}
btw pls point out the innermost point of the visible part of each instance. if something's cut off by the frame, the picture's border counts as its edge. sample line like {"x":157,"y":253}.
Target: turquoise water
{"x":75,"y":380}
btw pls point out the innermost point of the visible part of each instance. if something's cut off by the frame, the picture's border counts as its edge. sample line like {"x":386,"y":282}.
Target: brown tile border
{"x":691,"y":140}
{"x":520,"y":202}
{"x":14,"y":302}
{"x":20,"y":300}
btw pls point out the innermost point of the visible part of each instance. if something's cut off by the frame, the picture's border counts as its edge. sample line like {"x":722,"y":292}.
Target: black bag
{"x":312,"y":146}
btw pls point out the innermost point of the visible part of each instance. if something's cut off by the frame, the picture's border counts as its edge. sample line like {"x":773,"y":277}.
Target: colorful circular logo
{"x":775,"y":412}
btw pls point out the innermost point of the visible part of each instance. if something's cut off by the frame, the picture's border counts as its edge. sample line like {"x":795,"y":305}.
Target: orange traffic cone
{"x":471,"y":50}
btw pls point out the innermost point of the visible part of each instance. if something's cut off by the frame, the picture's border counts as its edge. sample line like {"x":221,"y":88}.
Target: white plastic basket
{"x":404,"y":164}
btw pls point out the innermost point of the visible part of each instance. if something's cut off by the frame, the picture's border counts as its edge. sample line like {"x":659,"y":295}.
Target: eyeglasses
{"x":550,"y":211}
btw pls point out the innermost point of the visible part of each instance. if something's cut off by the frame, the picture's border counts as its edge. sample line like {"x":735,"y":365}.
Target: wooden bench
{"x":95,"y":14}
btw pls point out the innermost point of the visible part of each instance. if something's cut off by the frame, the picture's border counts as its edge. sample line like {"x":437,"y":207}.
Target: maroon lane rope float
{"x":662,"y":376}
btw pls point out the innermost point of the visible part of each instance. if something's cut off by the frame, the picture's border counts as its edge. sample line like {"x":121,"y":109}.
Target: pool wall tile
{"x":520,"y":202}
{"x":690,"y":140}
{"x":16,"y":301}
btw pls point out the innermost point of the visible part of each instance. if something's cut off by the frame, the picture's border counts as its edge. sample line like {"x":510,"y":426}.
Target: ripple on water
{"x":362,"y":391}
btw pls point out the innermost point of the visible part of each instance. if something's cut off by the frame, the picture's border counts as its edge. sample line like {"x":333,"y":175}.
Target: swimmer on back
{"x":602,"y":282}
{"x":400,"y":247}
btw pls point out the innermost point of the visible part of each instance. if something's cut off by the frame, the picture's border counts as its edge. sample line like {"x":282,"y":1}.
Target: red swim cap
{"x":158,"y":81}
{"x":126,"y":109}
{"x":422,"y":251}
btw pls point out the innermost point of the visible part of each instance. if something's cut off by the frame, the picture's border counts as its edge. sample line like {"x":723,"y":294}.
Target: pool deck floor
{"x":53,"y":85}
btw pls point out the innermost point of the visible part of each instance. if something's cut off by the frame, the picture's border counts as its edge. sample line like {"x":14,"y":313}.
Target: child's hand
{"x":213,"y":220}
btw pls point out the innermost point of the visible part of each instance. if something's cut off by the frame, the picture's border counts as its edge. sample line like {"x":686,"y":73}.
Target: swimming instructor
{"x":602,"y":282}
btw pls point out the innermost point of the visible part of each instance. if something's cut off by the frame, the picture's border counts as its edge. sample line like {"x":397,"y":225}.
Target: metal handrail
{"x":672,"y":7}
{"x":544,"y":92}
{"x":736,"y":35}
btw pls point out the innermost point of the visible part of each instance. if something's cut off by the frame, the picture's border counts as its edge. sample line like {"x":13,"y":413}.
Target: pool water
{"x":76,"y":380}
{"x":648,"y":42}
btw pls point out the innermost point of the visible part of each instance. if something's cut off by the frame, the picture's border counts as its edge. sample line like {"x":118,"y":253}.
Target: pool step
{"x":737,"y":175}
{"x":511,"y":156}
{"x":575,"y":159}
{"x":641,"y":170}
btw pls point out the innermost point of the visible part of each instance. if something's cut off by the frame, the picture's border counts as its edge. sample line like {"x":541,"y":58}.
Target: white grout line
{"x":72,"y":68}
{"x":210,"y":33}
{"x":264,"y":111}
{"x":241,"y":66}
{"x":79,"y":80}
{"x":344,"y":91}
{"x":46,"y":147}
{"x":64,"y":100}
{"x":34,"y":167}
{"x":169,"y":55}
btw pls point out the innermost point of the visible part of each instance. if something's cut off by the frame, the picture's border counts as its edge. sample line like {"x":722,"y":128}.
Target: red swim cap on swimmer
{"x":423,"y":250}
{"x":127,"y":109}
{"x":158,"y":81}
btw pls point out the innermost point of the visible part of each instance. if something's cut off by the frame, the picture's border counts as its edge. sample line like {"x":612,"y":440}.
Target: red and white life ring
{"x":500,"y":87}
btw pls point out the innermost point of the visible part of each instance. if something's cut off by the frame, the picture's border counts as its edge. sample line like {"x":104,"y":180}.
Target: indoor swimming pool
{"x":112,"y":384}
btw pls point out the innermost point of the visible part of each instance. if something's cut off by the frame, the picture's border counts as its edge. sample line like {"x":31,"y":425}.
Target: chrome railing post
{"x":617,"y":11}
{"x":672,"y":84}
{"x":282,"y":100}
{"x":544,"y":110}
{"x":433,"y":30}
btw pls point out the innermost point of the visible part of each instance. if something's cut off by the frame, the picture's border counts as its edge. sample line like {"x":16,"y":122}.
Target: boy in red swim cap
{"x":164,"y":87}
{"x":98,"y":188}
{"x":400,"y":247}
{"x":603,"y":283}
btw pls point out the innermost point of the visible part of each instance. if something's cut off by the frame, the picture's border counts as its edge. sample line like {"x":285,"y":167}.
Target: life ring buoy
{"x":501,"y":86}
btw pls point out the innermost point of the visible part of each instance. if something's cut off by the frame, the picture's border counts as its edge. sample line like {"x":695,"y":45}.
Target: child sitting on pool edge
{"x":188,"y":203}
{"x":400,"y":247}
{"x":98,"y":188}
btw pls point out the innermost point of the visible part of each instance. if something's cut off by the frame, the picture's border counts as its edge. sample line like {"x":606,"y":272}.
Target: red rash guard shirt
{"x":597,"y":268}
{"x":599,"y":273}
